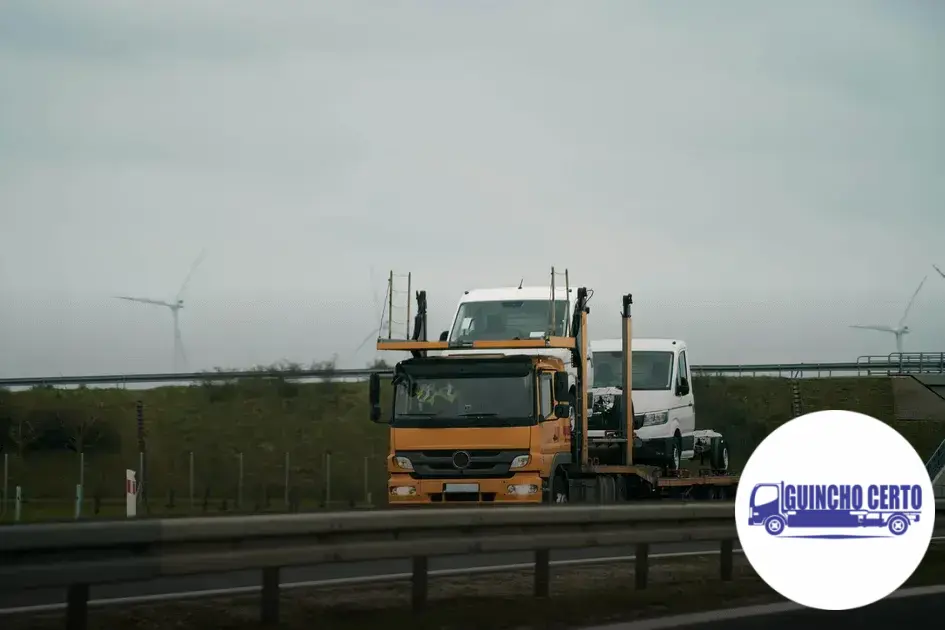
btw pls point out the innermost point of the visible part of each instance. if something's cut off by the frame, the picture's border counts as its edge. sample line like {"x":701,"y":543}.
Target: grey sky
{"x":759,"y":175}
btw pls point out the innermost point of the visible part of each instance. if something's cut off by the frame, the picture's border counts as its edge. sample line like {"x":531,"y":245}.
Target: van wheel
{"x":719,"y":455}
{"x":674,"y":456}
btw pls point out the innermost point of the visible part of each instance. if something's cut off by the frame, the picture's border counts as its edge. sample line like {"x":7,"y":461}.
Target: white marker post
{"x":131,"y":494}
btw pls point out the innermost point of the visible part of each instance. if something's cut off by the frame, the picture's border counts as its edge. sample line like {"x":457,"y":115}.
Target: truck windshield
{"x":465,"y":401}
{"x":652,"y":369}
{"x":510,"y":319}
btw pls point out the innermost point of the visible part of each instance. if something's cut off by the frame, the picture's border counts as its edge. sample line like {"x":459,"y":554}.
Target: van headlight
{"x":520,"y":462}
{"x":655,"y":418}
{"x":403,"y":462}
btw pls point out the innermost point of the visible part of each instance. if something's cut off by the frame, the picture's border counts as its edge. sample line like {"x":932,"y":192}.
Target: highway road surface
{"x":914,"y":607}
{"x":333,"y":571}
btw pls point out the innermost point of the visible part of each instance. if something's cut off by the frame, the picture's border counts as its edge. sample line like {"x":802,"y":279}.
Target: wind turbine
{"x":180,"y":357}
{"x":374,"y":334}
{"x":940,"y":272}
{"x":900,"y":329}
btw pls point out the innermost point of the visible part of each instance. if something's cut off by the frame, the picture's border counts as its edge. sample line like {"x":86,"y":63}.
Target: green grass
{"x":580,"y":597}
{"x":265,"y":419}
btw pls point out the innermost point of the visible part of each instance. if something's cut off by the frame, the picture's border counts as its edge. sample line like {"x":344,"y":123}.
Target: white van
{"x":663,"y":403}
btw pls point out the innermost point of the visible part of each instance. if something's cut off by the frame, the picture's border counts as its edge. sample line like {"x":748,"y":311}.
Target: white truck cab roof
{"x":511,"y":313}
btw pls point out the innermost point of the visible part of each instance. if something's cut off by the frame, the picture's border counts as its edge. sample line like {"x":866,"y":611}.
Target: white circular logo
{"x":835,"y":510}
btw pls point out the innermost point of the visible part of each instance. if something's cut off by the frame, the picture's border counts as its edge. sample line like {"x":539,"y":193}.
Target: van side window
{"x":683,"y":368}
{"x":545,"y":391}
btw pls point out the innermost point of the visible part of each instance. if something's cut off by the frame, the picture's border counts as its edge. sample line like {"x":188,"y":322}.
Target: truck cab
{"x":663,"y":402}
{"x":482,"y":428}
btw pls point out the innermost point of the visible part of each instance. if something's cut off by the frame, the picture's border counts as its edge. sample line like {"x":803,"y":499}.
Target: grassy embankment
{"x":580,"y":597}
{"x":264,"y":420}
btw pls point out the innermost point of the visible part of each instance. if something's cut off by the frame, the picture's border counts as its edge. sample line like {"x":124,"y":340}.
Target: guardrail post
{"x":77,"y":607}
{"x":419,"y":583}
{"x":542,"y":573}
{"x":269,"y":612}
{"x":641,"y":565}
{"x":725,"y":560}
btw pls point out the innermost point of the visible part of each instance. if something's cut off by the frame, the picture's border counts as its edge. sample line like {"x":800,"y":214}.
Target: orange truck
{"x":505,"y":420}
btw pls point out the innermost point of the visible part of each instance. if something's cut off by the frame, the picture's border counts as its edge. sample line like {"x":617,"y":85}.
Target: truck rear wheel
{"x":898,"y":525}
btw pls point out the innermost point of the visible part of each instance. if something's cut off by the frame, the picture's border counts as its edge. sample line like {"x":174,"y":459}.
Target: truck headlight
{"x":520,"y":462}
{"x":403,"y":462}
{"x":655,"y":418}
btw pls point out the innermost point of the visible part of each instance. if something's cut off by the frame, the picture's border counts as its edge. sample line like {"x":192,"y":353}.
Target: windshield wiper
{"x":478,"y":415}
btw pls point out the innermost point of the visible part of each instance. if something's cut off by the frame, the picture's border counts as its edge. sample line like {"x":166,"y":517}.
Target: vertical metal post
{"x":725,"y":560}
{"x":287,"y":480}
{"x":551,"y":330}
{"x":419,"y":583}
{"x":77,"y":607}
{"x":190,"y":466}
{"x":390,"y":305}
{"x":6,"y":484}
{"x":18,"y":506}
{"x":269,"y":613}
{"x":367,"y":493}
{"x":641,"y":564}
{"x":327,"y":478}
{"x":626,"y":376}
{"x":567,"y":295}
{"x":141,"y":484}
{"x":82,"y":468}
{"x":239,"y":485}
{"x":409,"y":286}
{"x":542,"y":573}
{"x":78,"y":501}
{"x":142,"y":449}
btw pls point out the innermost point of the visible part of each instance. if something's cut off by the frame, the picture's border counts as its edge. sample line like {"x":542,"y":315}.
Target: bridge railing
{"x":936,"y":464}
{"x":866,"y":365}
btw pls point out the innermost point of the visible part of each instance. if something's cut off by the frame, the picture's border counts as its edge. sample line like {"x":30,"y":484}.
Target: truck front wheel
{"x":558,"y":489}
{"x":774,"y":525}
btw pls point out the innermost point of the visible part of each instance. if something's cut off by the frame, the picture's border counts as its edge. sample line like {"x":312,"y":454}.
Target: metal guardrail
{"x":76,"y":556}
{"x":866,"y":365}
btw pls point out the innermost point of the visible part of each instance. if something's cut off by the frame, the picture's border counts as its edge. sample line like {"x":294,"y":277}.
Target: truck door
{"x":550,"y":429}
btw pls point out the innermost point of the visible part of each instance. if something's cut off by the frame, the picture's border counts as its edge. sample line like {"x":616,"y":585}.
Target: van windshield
{"x":509,"y":319}
{"x":652,"y":369}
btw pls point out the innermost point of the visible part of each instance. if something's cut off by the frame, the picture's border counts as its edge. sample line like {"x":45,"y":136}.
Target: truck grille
{"x":442,"y":464}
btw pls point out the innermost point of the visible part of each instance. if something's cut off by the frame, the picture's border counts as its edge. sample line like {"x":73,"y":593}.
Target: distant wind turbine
{"x":374,"y":334}
{"x":900,"y":329}
{"x":940,"y":272}
{"x":180,"y":357}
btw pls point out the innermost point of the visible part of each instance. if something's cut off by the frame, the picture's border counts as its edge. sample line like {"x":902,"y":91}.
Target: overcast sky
{"x":759,"y":174}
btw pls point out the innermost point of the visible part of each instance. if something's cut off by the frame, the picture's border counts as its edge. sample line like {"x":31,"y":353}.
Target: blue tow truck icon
{"x":777,"y":506}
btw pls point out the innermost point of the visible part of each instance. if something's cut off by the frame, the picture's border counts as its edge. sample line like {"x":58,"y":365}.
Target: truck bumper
{"x":521,"y":488}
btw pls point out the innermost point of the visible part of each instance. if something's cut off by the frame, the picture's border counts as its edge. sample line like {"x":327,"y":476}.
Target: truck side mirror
{"x":561,"y":386}
{"x":374,"y":396}
{"x":562,"y":410}
{"x":683,"y":388}
{"x":444,"y":335}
